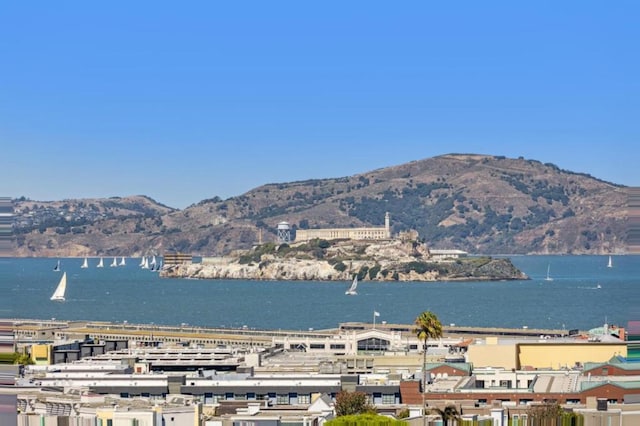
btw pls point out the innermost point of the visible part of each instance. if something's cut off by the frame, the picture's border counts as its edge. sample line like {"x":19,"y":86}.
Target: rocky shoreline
{"x":340,"y":261}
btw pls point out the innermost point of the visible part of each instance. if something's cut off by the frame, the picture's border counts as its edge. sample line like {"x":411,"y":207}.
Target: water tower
{"x":284,"y":232}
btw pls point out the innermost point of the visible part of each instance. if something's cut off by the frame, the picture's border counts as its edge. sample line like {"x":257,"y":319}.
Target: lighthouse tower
{"x":387,"y":226}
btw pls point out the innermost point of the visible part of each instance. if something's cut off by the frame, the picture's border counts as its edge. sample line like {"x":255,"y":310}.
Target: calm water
{"x":129,"y":293}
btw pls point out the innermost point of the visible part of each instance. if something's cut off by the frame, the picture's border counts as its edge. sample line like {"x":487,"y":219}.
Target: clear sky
{"x":184,"y":101}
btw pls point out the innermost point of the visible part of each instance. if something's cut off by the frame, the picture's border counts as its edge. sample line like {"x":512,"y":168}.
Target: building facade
{"x":372,"y":233}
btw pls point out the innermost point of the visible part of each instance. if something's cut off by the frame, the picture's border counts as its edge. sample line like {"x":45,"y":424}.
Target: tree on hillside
{"x":350,"y":403}
{"x":428,"y":326}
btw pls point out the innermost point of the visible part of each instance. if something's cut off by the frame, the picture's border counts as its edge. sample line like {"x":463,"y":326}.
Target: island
{"x":342,"y":260}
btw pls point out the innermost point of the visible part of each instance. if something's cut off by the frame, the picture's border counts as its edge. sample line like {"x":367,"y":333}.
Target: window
{"x":479,"y":384}
{"x":304,"y":398}
{"x":316,"y":346}
{"x":282,"y":399}
{"x":337,"y":346}
{"x":388,"y":398}
{"x":373,"y":344}
{"x":505,"y":384}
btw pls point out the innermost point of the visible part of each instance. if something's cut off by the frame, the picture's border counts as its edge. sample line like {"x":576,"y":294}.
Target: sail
{"x":610,"y":264}
{"x":142,"y":259}
{"x":354,"y":285}
{"x":548,"y":278}
{"x":85,"y":264}
{"x":101,"y":263}
{"x":122,"y":261}
{"x":153,"y":261}
{"x":57,"y":267}
{"x":146,"y":263}
{"x":114,"y":263}
{"x":58,"y":295}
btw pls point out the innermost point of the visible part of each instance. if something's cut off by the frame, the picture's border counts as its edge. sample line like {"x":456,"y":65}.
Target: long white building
{"x":371,"y":233}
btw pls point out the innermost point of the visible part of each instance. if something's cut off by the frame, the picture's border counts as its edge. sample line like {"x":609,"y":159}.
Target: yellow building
{"x":546,"y":354}
{"x":41,"y":354}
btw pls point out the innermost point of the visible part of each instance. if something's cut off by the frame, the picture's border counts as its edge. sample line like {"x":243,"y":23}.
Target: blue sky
{"x":184,"y":101}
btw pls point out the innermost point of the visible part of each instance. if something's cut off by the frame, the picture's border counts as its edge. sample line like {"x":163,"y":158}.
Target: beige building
{"x":542,"y":354}
{"x":373,"y":233}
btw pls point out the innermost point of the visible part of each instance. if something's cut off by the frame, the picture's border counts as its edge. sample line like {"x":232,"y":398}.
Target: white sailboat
{"x":610,"y":264}
{"x":122,"y":262}
{"x":548,"y":277}
{"x":145,"y":265}
{"x":354,"y":285}
{"x":142,"y":259}
{"x":58,"y":294}
{"x":114,"y":263}
{"x":153,"y":261}
{"x":57,"y":267}
{"x":85,"y":264}
{"x":157,"y":267}
{"x":101,"y":263}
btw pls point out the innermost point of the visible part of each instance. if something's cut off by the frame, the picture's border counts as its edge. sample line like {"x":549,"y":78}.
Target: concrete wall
{"x":492,"y":354}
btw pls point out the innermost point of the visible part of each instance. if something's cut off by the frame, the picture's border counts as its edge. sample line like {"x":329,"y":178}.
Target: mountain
{"x":86,"y":227}
{"x":477,"y":203}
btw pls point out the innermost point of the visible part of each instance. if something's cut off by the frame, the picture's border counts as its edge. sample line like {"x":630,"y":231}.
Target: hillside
{"x":478,"y":203}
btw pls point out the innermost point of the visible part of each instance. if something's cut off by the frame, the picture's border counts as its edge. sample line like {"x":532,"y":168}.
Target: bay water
{"x":583,"y":294}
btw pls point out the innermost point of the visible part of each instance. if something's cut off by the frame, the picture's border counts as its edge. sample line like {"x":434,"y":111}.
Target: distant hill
{"x":478,"y":203}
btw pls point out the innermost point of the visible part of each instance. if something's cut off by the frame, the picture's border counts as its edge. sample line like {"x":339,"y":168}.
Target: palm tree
{"x":449,"y":415}
{"x":428,"y":326}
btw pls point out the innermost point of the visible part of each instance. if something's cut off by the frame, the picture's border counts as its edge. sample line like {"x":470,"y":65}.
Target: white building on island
{"x":371,"y":233}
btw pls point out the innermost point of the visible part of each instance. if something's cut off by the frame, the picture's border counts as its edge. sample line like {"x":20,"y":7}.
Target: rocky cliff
{"x":340,"y":260}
